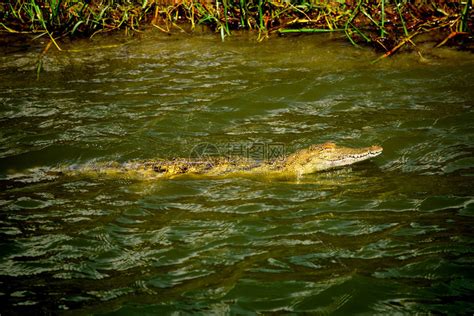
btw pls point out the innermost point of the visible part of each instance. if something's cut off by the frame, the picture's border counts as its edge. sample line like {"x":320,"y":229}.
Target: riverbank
{"x":392,"y":235}
{"x":386,"y":26}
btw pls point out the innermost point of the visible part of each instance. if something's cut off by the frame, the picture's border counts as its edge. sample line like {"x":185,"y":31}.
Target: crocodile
{"x":305,"y":161}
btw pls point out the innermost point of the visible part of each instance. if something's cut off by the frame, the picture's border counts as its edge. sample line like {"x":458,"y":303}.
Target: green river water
{"x":389,"y":236}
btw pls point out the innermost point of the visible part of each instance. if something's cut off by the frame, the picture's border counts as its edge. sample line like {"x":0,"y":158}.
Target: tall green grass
{"x":383,"y":23}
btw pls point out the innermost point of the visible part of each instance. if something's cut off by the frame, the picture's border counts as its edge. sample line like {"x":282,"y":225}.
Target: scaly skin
{"x":313,"y":159}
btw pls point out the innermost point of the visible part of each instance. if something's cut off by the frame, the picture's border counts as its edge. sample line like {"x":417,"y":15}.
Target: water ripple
{"x":387,"y":236}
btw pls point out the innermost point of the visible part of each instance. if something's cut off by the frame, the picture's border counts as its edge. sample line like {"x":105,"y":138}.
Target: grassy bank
{"x":387,"y":25}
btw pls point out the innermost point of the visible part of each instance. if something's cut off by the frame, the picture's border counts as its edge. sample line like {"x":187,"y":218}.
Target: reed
{"x":383,"y":24}
{"x":382,"y":19}
{"x":402,"y":20}
{"x":464,"y":27}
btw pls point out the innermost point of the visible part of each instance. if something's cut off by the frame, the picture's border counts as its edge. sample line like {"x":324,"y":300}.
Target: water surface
{"x":393,"y":235}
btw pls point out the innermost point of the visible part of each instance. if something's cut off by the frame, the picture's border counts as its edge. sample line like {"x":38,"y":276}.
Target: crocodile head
{"x":327,"y":156}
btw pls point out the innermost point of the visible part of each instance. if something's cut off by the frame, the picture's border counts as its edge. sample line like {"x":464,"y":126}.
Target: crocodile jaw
{"x":328,"y":156}
{"x":351,"y":158}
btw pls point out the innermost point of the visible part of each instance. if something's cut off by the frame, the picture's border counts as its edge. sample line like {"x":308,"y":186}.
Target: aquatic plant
{"x":387,"y":25}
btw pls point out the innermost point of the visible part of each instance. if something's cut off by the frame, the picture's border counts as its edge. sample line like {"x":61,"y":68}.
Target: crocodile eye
{"x":329,"y":145}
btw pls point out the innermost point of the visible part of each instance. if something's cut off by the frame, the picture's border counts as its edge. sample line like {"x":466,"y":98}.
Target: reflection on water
{"x":388,"y":236}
